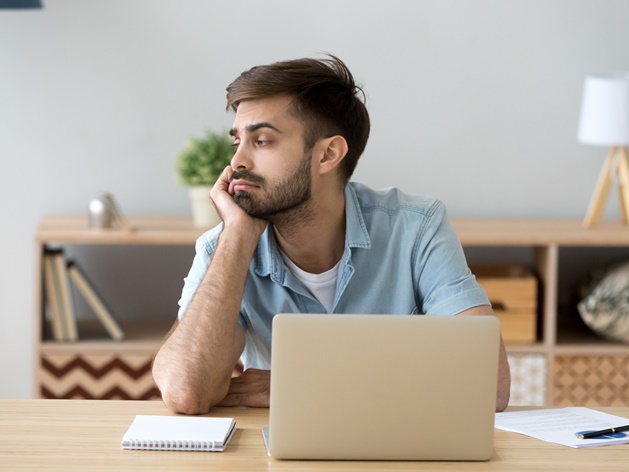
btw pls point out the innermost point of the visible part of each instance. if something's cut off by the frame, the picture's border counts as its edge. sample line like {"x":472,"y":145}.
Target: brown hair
{"x":325,"y":99}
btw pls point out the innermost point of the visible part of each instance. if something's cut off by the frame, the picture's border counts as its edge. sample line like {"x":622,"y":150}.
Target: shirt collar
{"x":268,"y":257}
{"x":356,"y":230}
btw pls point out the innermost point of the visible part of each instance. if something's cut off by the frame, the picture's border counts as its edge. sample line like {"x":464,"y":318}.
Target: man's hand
{"x":229,"y":211}
{"x":252,"y":388}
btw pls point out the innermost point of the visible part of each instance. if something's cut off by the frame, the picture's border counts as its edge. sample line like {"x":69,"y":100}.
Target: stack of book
{"x":59,"y":277}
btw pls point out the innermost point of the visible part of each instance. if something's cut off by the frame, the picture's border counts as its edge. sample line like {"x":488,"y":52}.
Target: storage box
{"x":512,"y":291}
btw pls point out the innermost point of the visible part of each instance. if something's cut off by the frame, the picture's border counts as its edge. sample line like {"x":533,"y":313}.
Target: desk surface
{"x":85,"y":435}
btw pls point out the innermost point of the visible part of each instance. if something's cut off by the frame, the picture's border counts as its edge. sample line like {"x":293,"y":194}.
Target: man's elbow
{"x":191,"y":399}
{"x":179,"y":402}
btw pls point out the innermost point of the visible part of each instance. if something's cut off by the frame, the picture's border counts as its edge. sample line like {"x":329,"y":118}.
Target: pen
{"x":603,"y":432}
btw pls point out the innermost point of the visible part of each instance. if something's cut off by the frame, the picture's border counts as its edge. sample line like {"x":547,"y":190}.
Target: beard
{"x":284,"y":201}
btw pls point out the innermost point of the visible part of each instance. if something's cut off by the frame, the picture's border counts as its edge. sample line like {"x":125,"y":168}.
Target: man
{"x":296,"y":237}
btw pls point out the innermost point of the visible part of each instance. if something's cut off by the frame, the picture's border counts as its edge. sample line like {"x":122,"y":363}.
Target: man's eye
{"x":235,"y":145}
{"x":262,"y":142}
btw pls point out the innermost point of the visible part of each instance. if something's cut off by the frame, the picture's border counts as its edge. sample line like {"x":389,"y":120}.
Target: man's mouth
{"x":242,"y":186}
{"x":244,"y":181}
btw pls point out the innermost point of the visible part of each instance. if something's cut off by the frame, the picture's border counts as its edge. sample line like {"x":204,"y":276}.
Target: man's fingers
{"x":238,"y":385}
{"x":234,"y":399}
{"x":249,"y":389}
{"x":254,"y":400}
{"x":251,"y":380}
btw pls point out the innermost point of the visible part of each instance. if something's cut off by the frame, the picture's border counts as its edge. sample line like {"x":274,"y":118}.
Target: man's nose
{"x":241,"y":159}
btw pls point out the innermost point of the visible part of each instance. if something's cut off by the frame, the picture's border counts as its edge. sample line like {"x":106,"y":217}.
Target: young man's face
{"x":272,"y":171}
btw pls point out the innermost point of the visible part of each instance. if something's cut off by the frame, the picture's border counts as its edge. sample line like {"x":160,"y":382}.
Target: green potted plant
{"x":199,"y":165}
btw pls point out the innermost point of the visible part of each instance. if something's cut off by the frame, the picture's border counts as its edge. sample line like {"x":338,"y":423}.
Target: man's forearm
{"x":504,"y":379}
{"x":193,"y":368}
{"x":504,"y":375}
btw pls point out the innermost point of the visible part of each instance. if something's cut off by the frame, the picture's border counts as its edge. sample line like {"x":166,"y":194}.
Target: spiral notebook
{"x":179,"y":433}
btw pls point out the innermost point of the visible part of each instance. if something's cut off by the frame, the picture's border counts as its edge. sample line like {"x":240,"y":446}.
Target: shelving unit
{"x":579,"y":367}
{"x":95,"y":366}
{"x":569,"y":364}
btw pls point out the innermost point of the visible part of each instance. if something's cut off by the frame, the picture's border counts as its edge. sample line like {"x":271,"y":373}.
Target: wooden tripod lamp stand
{"x":605,"y":122}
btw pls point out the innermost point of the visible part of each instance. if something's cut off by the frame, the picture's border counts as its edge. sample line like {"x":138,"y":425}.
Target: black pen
{"x":603,"y":432}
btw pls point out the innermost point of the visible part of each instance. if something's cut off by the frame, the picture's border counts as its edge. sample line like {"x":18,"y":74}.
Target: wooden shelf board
{"x":539,"y":232}
{"x":162,"y":230}
{"x":533,"y":348}
{"x":581,"y":342}
{"x":592,"y":350}
{"x":471,"y":231}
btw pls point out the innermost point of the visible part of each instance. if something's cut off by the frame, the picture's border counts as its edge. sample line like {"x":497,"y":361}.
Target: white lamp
{"x":605,"y":122}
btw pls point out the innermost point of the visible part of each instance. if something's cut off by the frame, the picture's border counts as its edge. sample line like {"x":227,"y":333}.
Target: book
{"x":66,"y":305}
{"x":53,"y":297}
{"x":179,"y":433}
{"x":94,"y":300}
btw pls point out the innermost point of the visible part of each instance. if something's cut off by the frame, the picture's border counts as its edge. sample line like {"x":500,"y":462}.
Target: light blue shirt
{"x":401,"y":256}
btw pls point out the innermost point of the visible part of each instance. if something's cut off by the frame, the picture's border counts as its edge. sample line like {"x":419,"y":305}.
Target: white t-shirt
{"x":321,"y":286}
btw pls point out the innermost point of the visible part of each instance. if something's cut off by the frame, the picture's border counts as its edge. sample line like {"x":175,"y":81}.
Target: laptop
{"x":383,"y":387}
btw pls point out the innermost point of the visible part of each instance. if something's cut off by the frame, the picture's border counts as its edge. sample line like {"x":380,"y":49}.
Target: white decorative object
{"x":204,"y":215}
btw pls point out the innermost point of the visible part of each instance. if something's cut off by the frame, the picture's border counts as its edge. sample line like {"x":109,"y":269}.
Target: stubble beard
{"x":286,"y":204}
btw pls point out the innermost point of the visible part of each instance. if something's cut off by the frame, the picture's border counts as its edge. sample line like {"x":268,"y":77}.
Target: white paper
{"x":562,"y":425}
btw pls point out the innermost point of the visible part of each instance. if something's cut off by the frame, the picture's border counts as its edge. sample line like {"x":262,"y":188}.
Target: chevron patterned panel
{"x":591,"y":380}
{"x":103,"y":377}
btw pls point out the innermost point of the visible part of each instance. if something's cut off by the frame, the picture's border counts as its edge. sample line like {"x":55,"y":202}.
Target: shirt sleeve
{"x":445,"y":284}
{"x":201,"y":262}
{"x":204,"y":248}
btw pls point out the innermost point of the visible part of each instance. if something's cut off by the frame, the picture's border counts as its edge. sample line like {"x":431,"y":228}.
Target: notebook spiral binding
{"x":151,"y":444}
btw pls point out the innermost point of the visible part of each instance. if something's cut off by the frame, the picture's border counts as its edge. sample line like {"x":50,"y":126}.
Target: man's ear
{"x":332,"y":152}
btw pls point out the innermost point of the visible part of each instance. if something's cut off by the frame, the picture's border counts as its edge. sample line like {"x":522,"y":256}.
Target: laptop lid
{"x":383,"y":387}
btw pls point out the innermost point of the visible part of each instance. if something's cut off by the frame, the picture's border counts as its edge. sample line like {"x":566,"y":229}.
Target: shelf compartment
{"x":512,"y":291}
{"x":99,"y":368}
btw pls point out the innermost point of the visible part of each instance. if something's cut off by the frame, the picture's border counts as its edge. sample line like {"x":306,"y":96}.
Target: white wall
{"x":475,"y":102}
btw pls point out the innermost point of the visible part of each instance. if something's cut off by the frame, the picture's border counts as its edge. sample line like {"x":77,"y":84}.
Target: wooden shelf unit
{"x":95,"y":366}
{"x":579,"y":364}
{"x":557,"y":348}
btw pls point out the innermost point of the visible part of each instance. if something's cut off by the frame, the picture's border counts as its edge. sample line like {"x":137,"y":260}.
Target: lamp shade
{"x":604,"y":117}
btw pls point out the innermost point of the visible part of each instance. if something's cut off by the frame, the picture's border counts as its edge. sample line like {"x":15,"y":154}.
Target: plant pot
{"x":204,"y":215}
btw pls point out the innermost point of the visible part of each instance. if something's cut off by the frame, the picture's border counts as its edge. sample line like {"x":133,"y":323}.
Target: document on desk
{"x":563,"y":425}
